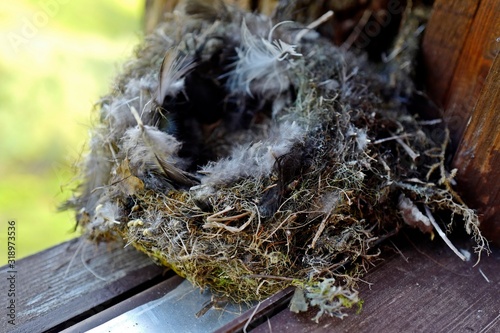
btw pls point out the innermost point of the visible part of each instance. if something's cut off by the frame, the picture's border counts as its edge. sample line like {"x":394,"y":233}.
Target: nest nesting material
{"x":250,"y":155}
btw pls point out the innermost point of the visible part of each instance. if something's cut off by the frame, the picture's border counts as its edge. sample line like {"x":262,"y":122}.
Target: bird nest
{"x":249,"y":156}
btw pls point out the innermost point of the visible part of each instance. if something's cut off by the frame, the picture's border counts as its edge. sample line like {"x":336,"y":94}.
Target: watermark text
{"x":11,"y":272}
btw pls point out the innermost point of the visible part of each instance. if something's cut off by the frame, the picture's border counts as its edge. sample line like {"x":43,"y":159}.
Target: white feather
{"x":117,"y":115}
{"x":106,"y":215}
{"x":260,"y":60}
{"x":138,"y":146}
{"x":254,"y":160}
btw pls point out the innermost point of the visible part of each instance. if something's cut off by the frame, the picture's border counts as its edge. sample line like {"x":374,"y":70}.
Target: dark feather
{"x":172,"y":72}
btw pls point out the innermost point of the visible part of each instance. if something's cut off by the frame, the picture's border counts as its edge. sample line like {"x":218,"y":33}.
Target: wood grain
{"x":478,"y":156}
{"x":444,"y":39}
{"x":474,"y":64}
{"x":48,"y":293}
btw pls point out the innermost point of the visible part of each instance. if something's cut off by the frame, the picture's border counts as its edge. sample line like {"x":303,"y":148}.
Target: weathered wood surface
{"x":431,"y":292}
{"x":459,"y":46}
{"x":49,"y":294}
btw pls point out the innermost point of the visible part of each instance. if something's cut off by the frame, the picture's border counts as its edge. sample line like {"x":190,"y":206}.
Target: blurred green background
{"x":57,"y":58}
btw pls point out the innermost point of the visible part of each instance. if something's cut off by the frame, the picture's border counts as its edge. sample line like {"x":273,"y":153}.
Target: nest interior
{"x":250,"y":155}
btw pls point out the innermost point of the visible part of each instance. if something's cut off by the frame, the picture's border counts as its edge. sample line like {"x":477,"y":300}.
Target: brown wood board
{"x":474,"y":64}
{"x":444,"y":39}
{"x":459,"y":47}
{"x":478,"y":156}
{"x":47,"y":295}
{"x":433,"y":291}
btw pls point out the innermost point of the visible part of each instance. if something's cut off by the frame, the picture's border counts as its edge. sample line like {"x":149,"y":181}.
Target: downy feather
{"x":97,"y":171}
{"x":254,"y":160}
{"x":151,"y":149}
{"x":259,"y":62}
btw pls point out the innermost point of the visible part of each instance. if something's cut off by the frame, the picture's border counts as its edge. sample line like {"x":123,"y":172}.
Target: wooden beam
{"x":474,"y":64}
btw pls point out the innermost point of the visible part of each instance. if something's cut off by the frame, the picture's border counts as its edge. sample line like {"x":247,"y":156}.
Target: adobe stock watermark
{"x":11,"y":271}
{"x":30,"y":26}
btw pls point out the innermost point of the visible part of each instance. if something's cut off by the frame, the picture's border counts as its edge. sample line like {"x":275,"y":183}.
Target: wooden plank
{"x":50,"y":289}
{"x":478,"y":156}
{"x":433,"y":292}
{"x":144,"y":297}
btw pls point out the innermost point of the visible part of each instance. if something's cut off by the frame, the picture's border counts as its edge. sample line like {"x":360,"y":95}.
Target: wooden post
{"x":478,"y":156}
{"x":443,"y":42}
{"x":460,"y":46}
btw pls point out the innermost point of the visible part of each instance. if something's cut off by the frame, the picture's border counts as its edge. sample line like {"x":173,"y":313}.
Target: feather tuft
{"x":148,"y":148}
{"x":260,"y":66}
{"x":172,"y":72}
{"x":254,"y":160}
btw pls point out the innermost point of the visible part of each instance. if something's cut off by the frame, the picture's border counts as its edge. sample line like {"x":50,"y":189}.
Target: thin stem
{"x":443,"y":235}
